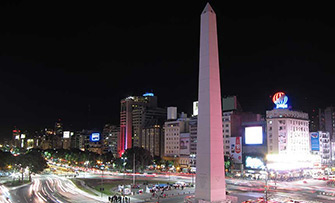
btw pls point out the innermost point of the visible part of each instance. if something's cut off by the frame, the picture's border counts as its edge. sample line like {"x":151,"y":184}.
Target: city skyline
{"x":59,"y":61}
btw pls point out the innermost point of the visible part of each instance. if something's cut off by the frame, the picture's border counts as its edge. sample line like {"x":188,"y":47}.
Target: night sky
{"x":59,"y":59}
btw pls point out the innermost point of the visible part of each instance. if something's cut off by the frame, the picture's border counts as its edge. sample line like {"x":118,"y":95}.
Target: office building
{"x":110,"y":134}
{"x":172,"y":132}
{"x":287,"y":131}
{"x":152,"y":140}
{"x":321,"y":146}
{"x":136,"y":113}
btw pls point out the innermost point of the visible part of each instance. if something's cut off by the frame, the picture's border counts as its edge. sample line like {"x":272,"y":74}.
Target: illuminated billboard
{"x":254,"y":135}
{"x":280,"y":99}
{"x":315,"y":142}
{"x":236,"y":149}
{"x":184,"y":143}
{"x":254,"y":162}
{"x":66,"y":134}
{"x":95,"y":137}
{"x":195,"y":108}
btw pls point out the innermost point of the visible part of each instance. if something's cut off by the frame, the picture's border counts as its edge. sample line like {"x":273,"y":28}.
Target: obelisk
{"x":210,"y":175}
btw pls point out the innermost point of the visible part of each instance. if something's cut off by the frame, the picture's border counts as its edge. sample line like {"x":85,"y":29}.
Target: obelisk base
{"x":220,"y":201}
{"x":230,"y":199}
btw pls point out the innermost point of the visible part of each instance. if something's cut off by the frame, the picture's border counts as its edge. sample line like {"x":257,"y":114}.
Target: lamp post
{"x":124,"y":159}
{"x":266,"y":184}
{"x":102,"y":167}
{"x":134,"y":168}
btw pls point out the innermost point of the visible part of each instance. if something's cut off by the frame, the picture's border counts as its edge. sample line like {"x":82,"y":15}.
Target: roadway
{"x":47,"y":188}
{"x":310,"y":191}
{"x":54,"y":188}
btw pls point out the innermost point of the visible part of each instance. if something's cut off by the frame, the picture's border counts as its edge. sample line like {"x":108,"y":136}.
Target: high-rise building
{"x":329,"y":123}
{"x":66,"y":139}
{"x":88,"y":140}
{"x":136,"y":113}
{"x":152,"y":139}
{"x":16,"y":137}
{"x":321,"y":145}
{"x":56,"y":139}
{"x":323,"y":120}
{"x":172,"y":132}
{"x":314,"y":124}
{"x":46,"y":135}
{"x":287,"y":132}
{"x":110,"y":135}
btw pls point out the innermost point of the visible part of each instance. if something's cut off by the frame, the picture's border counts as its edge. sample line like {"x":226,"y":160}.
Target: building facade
{"x":172,"y":132}
{"x":287,"y":132}
{"x":136,"y":113}
{"x":110,"y":135}
{"x":321,"y":145}
{"x":153,"y":139}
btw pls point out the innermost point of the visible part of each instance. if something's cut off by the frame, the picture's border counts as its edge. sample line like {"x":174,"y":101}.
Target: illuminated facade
{"x":321,"y":145}
{"x":210,"y":181}
{"x":172,"y":132}
{"x":57,"y":138}
{"x":287,"y":132}
{"x":136,"y":113}
{"x":16,"y":137}
{"x":110,"y":135}
{"x":152,"y":139}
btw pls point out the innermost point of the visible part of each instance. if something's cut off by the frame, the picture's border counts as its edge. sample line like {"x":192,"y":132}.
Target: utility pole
{"x":266,"y":184}
{"x":134,"y":168}
{"x":102,"y":180}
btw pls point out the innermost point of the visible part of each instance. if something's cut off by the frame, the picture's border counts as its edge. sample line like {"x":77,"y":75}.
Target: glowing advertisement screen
{"x":254,"y":135}
{"x":95,"y":137}
{"x":315,"y":143}
{"x":66,"y":134}
{"x":236,"y":149}
{"x":280,"y":99}
{"x":254,"y":163}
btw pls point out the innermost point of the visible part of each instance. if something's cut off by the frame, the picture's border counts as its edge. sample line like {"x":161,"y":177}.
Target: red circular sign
{"x":277,"y":96}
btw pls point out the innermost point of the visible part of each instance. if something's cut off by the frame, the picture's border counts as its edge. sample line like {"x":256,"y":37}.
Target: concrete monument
{"x":210,"y":177}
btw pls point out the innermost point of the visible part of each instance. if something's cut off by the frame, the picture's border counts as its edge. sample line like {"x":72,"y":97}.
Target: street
{"x":54,"y":188}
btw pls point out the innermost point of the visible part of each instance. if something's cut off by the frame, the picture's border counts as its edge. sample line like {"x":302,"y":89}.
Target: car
{"x":179,"y":184}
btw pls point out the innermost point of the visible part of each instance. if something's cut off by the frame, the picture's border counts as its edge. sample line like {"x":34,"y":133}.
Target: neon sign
{"x":280,"y":99}
{"x":148,"y":94}
{"x":95,"y":137}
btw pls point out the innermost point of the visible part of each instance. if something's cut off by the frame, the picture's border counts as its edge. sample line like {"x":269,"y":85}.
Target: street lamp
{"x":124,"y":159}
{"x":102,"y":167}
{"x":266,"y":183}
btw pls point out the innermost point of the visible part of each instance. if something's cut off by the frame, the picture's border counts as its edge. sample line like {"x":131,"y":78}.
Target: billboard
{"x":236,"y":149}
{"x":254,"y":162}
{"x":66,"y":134}
{"x":185,"y":143}
{"x":280,"y":99}
{"x":253,"y":135}
{"x":315,"y":142}
{"x":195,"y":108}
{"x":95,"y":137}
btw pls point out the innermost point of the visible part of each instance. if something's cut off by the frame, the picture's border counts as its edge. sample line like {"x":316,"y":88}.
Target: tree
{"x":7,"y":159}
{"x":143,"y":158}
{"x":34,"y":160}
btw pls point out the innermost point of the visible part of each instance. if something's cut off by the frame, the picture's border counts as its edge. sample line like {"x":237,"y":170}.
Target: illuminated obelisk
{"x":210,"y":175}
